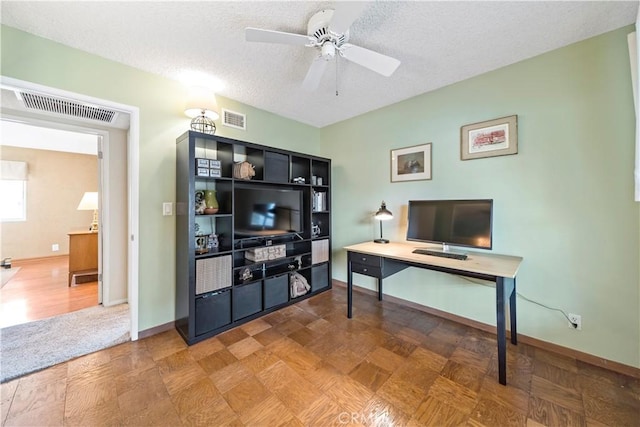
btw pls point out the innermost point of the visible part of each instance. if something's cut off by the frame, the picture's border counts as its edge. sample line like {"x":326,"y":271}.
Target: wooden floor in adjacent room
{"x":308,"y":365}
{"x":40,"y":289}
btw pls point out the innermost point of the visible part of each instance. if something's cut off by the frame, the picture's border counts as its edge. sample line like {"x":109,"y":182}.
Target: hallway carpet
{"x":33,"y":346}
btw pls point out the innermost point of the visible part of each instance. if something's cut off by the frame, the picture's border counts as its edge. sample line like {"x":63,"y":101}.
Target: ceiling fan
{"x":328,"y":33}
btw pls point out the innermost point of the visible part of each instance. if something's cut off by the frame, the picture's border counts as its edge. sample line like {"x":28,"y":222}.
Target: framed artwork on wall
{"x":411,"y":163}
{"x":498,"y":137}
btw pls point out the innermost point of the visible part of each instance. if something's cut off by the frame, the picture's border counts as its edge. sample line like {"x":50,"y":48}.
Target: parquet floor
{"x":40,"y":289}
{"x":308,"y":365}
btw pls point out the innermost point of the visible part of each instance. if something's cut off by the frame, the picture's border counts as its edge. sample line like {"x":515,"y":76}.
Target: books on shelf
{"x":319,"y":201}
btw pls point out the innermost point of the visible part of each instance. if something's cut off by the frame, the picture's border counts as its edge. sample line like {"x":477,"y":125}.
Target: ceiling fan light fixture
{"x":328,"y":50}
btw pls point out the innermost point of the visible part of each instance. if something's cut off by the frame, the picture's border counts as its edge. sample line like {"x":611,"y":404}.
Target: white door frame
{"x":133,"y":178}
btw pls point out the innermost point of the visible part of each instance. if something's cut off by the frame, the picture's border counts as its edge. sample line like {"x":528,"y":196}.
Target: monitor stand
{"x":444,"y":252}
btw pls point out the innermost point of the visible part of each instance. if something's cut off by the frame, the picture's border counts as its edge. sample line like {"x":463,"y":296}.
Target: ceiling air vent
{"x":52,"y":104}
{"x":234,"y":120}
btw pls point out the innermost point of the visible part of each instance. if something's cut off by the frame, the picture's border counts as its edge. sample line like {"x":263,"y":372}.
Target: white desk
{"x":382,"y":260}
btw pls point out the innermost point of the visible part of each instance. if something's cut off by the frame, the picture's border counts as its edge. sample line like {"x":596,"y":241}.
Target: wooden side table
{"x":83,"y":254}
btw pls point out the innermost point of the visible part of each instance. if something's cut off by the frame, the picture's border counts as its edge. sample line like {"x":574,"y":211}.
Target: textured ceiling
{"x":438,"y":43}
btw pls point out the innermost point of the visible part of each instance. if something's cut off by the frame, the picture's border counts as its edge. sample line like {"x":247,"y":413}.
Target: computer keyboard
{"x":440,"y":254}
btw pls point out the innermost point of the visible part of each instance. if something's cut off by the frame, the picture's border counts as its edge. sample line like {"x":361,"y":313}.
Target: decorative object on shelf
{"x":208,"y":168}
{"x":243,"y":170}
{"x":211,"y":203}
{"x":266,"y":253}
{"x":498,"y":137}
{"x":298,"y":285}
{"x":411,"y":163}
{"x":296,"y":264}
{"x":315,"y":230}
{"x":89,"y":202}
{"x":213,"y":242}
{"x":246,"y":275}
{"x":299,"y":180}
{"x":203,"y":109}
{"x":200,"y":204}
{"x":201,"y":243}
{"x":383,"y":214}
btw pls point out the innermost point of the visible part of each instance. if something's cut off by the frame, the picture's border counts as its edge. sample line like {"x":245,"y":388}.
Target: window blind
{"x":13,"y":171}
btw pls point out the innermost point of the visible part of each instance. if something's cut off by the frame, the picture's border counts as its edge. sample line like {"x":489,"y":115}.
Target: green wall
{"x":564,"y":202}
{"x":161,"y":103}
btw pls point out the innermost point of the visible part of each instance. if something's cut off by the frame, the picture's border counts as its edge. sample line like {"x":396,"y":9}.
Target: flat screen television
{"x":451,"y":222}
{"x":267,"y":211}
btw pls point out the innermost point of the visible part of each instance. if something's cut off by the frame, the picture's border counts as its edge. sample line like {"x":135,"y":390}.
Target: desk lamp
{"x":89,"y":202}
{"x":383,"y":214}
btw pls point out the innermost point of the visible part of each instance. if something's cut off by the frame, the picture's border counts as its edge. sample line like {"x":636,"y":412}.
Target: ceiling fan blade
{"x":271,"y":36}
{"x":312,"y":80}
{"x":374,"y":61}
{"x":344,"y":15}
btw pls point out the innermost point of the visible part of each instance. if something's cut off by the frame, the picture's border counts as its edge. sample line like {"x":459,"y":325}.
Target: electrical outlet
{"x":55,"y":247}
{"x":577,"y":319}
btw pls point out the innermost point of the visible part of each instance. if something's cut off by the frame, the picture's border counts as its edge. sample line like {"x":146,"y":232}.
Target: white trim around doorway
{"x":133,"y":180}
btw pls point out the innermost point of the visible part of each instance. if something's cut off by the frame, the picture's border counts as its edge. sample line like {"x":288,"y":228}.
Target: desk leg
{"x":512,"y":312}
{"x":349,"y":289}
{"x":501,"y":331}
{"x":379,"y":288}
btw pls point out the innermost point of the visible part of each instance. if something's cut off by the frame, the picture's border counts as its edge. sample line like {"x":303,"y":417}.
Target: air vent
{"x":234,"y":120}
{"x":52,"y":104}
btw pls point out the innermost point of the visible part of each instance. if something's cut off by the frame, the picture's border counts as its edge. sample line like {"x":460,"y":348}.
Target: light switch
{"x":167,"y":209}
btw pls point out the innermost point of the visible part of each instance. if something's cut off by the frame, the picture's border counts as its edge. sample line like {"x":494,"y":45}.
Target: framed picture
{"x":411,"y":163}
{"x":498,"y":137}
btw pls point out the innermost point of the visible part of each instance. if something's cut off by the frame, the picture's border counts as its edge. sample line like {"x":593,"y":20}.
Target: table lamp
{"x":89,"y":202}
{"x":202,"y":108}
{"x":383,"y":214}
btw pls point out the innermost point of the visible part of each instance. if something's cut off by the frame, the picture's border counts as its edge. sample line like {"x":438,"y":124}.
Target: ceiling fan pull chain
{"x":337,"y":59}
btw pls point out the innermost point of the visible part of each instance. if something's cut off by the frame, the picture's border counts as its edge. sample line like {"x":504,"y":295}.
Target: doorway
{"x":51,"y":232}
{"x":119,"y":232}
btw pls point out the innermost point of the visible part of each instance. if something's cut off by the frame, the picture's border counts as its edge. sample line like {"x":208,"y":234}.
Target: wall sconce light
{"x":202,"y":108}
{"x":89,"y":202}
{"x":383,"y":214}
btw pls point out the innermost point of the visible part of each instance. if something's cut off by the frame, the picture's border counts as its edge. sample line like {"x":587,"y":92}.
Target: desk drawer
{"x":367,"y":270}
{"x":365,"y":259}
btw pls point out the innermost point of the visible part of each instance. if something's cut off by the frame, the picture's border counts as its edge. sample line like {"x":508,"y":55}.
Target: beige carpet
{"x":37,"y":345}
{"x":7,"y":274}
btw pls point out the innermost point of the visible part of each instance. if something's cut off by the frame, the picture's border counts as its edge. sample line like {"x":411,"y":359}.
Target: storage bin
{"x":247,"y":300}
{"x":319,"y":251}
{"x":276,"y":291}
{"x":213,"y":273}
{"x":319,"y":277}
{"x":213,"y":311}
